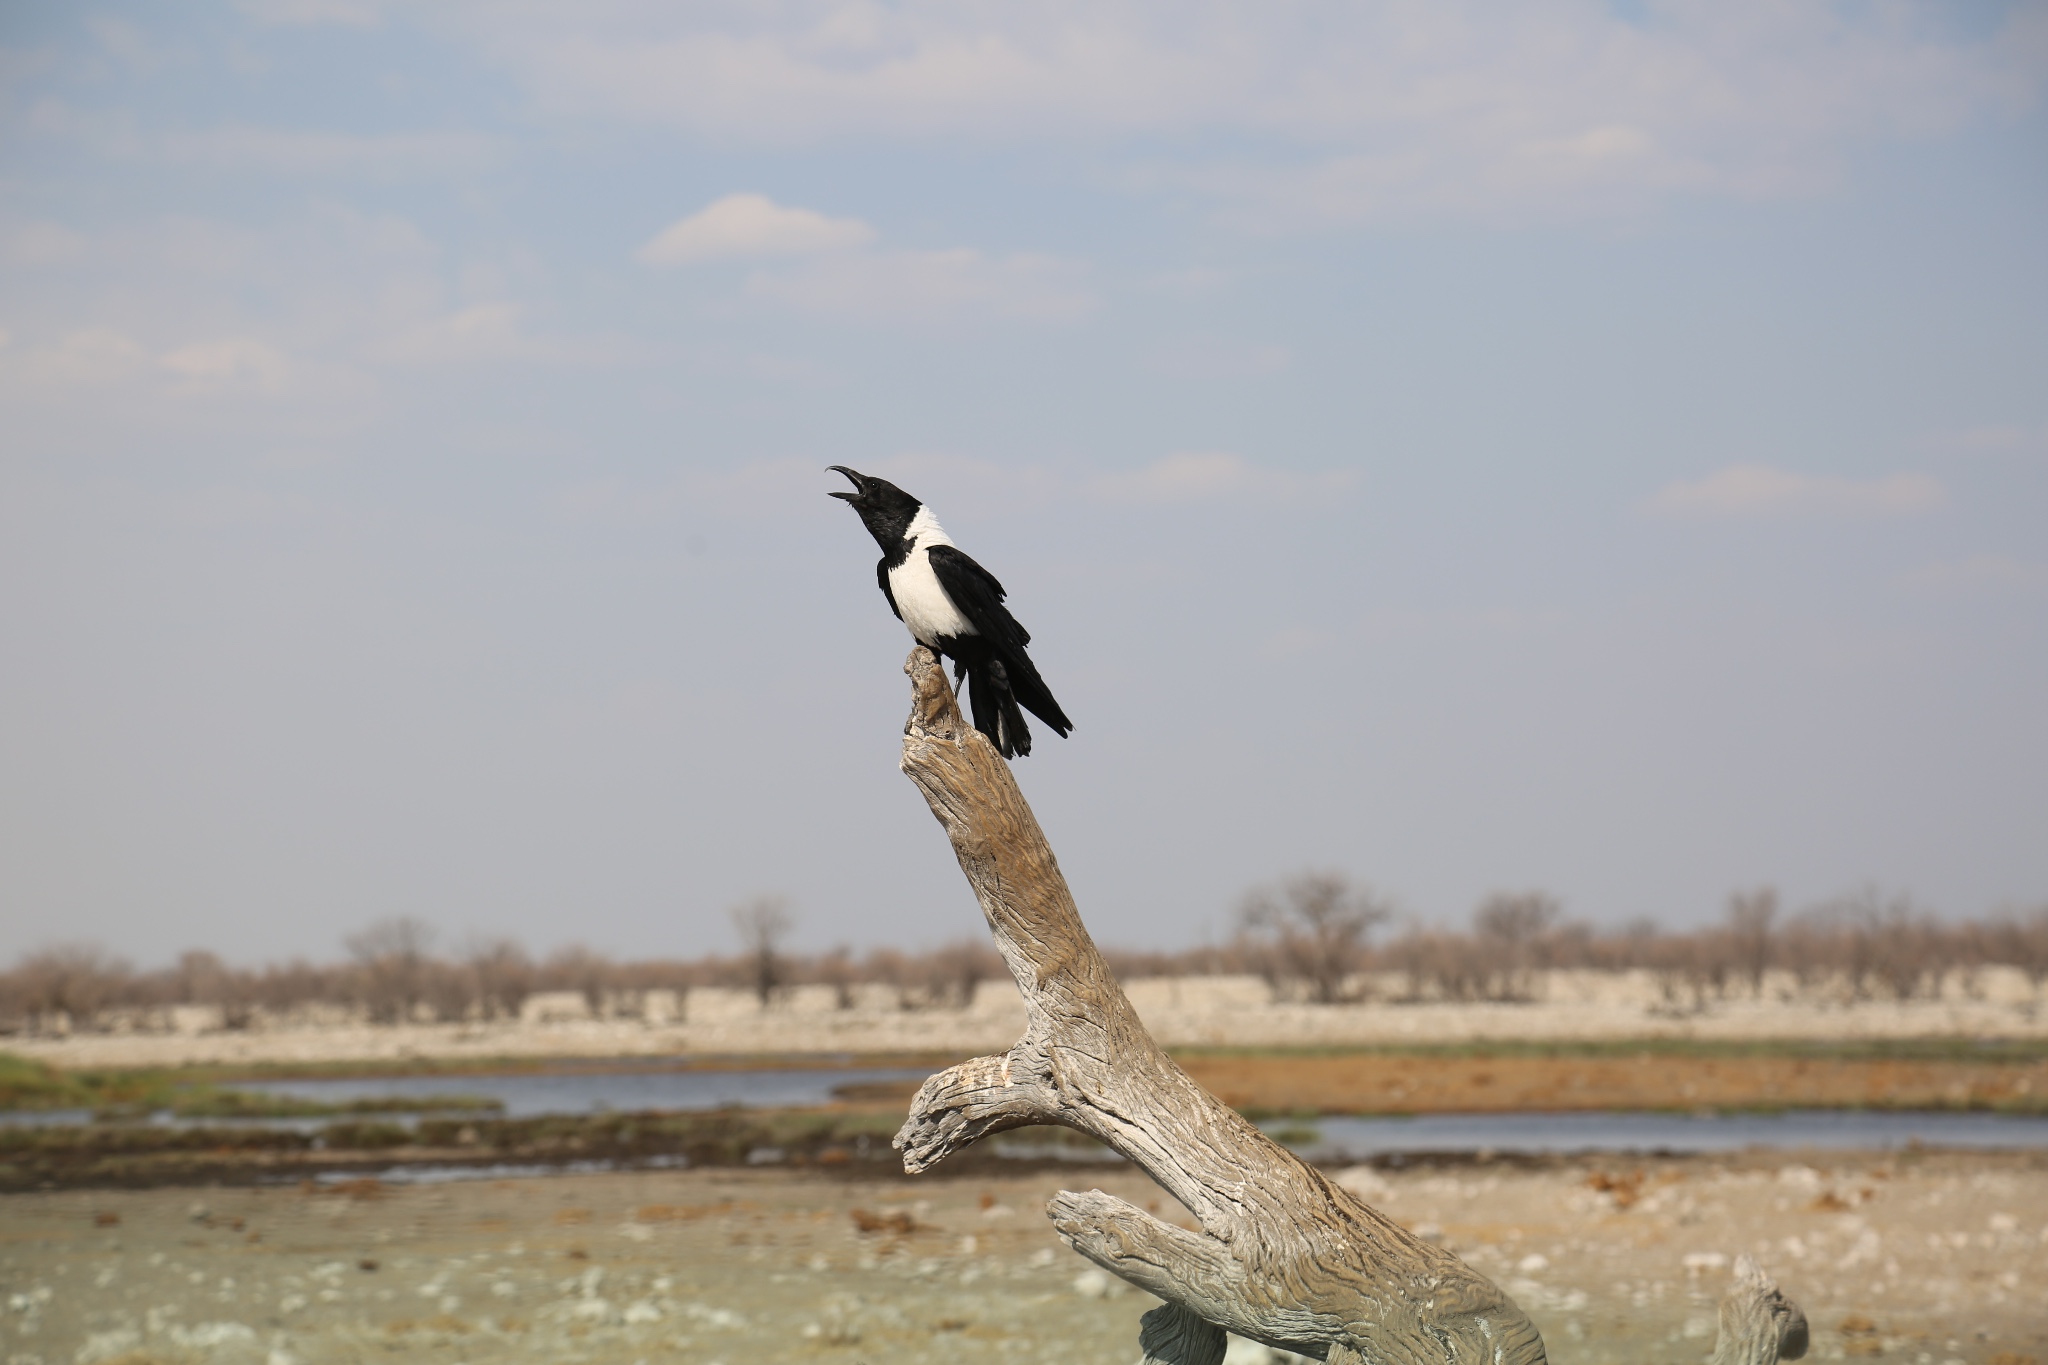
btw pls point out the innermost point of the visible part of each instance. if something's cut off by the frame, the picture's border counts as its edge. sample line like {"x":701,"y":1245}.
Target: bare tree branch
{"x":1282,"y":1255}
{"x":1315,"y":930}
{"x":763,"y":923}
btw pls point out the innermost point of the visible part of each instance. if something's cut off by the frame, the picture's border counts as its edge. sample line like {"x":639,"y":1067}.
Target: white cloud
{"x":931,"y":287}
{"x":85,"y":356}
{"x":120,"y":374}
{"x":1364,"y":110}
{"x":319,"y":309}
{"x":492,"y":333}
{"x":744,"y":225}
{"x":1754,"y":490}
{"x":838,"y":278}
{"x":1203,"y":476}
{"x":480,"y":332}
{"x":235,"y":360}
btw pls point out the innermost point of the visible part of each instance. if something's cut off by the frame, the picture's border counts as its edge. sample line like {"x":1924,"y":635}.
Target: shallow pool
{"x":1845,"y":1129}
{"x":531,"y":1095}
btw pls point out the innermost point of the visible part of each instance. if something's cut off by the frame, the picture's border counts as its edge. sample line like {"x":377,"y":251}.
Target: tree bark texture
{"x":1281,"y":1254}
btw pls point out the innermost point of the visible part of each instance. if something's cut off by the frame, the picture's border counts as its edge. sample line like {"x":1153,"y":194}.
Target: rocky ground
{"x":1925,"y":1259}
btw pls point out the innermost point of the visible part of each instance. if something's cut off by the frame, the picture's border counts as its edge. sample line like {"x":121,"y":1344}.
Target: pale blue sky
{"x":1598,"y":448}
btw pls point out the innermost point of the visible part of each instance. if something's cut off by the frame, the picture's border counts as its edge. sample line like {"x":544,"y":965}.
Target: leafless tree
{"x":1315,"y":930}
{"x":762,"y":924}
{"x":888,"y":967}
{"x":1518,"y":917}
{"x":955,"y":972}
{"x":500,"y":976}
{"x":391,"y":964}
{"x":285,"y":986}
{"x":2020,"y":940}
{"x":1512,"y":924}
{"x":75,"y":980}
{"x":1749,"y":929}
{"x":1280,"y":1254}
{"x":1910,"y":953}
{"x":448,"y":989}
{"x":1688,"y":968}
{"x":1863,"y":946}
{"x":837,"y":970}
{"x":1439,"y":965}
{"x":1132,"y":964}
{"x":575,"y":967}
{"x":1880,"y":944}
{"x":199,"y":978}
{"x":1870,"y":945}
{"x":1806,"y":947}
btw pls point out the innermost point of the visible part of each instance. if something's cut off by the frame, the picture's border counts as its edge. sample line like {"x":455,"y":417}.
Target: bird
{"x":954,"y":607}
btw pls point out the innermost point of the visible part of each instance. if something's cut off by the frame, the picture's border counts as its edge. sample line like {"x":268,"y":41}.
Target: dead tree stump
{"x":1283,"y":1255}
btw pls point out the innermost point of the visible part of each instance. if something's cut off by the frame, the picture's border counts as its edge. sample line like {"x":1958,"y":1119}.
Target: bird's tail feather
{"x":995,"y":708}
{"x":1016,"y":735}
{"x":1030,"y":690}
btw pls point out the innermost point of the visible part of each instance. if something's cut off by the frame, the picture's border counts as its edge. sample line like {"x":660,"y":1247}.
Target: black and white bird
{"x":954,"y":608}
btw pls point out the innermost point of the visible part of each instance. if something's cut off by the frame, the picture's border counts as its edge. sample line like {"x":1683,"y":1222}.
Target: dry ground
{"x":1182,"y":1012}
{"x":1423,"y":1082}
{"x":1923,"y":1259}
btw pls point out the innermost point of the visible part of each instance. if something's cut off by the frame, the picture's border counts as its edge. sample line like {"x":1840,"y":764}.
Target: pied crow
{"x":954,"y":608}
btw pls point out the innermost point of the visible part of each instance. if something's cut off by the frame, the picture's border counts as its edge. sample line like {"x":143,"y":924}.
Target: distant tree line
{"x":1316,"y":938}
{"x":1312,"y":939}
{"x":394,"y":971}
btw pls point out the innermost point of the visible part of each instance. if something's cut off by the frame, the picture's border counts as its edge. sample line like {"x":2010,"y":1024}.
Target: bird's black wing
{"x":979,"y":598}
{"x":976,"y":593}
{"x":882,"y":577}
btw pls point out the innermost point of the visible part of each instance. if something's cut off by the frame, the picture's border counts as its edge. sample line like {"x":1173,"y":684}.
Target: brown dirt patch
{"x":1394,"y":1083}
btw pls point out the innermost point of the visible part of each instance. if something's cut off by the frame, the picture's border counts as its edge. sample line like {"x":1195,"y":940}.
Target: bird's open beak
{"x":860,"y":483}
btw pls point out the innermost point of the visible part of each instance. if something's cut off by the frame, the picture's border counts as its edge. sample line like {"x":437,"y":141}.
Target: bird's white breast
{"x":924,"y":606}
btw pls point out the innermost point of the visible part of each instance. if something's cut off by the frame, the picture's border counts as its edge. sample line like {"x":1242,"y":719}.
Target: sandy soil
{"x":1220,"y":1011}
{"x":1928,"y":1259}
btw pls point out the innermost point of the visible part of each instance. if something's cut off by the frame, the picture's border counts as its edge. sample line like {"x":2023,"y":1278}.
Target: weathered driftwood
{"x":1759,"y":1325}
{"x":1282,"y":1255}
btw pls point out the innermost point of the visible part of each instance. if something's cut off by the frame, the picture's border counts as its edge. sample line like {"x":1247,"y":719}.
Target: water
{"x":45,"y":1118}
{"x":444,"y":1175}
{"x":531,"y":1095}
{"x":1330,"y":1139}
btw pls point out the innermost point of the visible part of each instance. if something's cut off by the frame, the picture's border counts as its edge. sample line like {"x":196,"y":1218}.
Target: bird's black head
{"x":885,"y":509}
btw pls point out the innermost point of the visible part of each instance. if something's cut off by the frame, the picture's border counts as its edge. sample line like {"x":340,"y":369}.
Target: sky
{"x":1595,"y":448}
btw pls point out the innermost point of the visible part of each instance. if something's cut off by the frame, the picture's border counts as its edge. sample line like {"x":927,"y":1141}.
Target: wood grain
{"x":1281,"y":1255}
